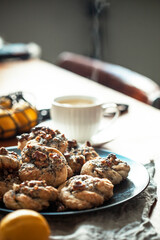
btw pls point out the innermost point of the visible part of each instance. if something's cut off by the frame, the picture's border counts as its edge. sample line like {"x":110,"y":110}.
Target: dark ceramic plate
{"x":137,"y":181}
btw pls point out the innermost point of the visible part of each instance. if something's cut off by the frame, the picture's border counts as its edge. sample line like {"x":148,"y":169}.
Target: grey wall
{"x":56,"y":25}
{"x":130,"y":30}
{"x":132,"y":35}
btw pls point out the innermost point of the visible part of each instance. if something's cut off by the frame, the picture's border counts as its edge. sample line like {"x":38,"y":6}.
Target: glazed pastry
{"x":84,"y":192}
{"x":9,"y":165}
{"x":76,"y":156}
{"x":7,"y":179}
{"x":43,"y":163}
{"x":8,"y":159}
{"x":35,"y":195}
{"x":44,"y":136}
{"x":110,"y":167}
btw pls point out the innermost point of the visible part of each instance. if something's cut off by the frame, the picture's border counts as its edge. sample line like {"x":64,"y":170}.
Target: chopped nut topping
{"x":3,"y":151}
{"x":37,"y":155}
{"x":78,"y":185}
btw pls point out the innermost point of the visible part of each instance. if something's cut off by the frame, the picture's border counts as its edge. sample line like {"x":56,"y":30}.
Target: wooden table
{"x":137,"y":132}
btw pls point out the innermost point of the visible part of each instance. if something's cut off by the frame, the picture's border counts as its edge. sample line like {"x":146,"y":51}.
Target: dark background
{"x":128,"y":32}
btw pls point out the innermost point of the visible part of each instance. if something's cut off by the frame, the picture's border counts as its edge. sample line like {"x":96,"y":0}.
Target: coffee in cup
{"x":78,"y":117}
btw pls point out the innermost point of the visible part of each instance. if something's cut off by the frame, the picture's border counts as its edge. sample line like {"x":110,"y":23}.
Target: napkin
{"x":129,"y":220}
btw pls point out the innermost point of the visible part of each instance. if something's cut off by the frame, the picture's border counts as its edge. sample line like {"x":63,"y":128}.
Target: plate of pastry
{"x":55,"y":176}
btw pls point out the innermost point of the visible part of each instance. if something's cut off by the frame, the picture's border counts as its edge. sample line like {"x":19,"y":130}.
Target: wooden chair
{"x":114,"y":76}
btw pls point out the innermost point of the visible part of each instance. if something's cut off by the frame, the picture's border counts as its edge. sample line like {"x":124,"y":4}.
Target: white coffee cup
{"x":78,"y":116}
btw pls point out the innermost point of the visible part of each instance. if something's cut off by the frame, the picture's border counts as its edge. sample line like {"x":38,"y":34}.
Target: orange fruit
{"x":24,"y":224}
{"x":25,"y":116}
{"x":8,"y":126}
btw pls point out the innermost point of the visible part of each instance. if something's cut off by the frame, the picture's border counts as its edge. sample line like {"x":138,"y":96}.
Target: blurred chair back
{"x":113,"y":76}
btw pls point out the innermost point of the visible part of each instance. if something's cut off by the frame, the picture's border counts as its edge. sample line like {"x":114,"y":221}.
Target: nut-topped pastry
{"x":8,"y":159}
{"x":110,"y":167}
{"x":35,"y":195}
{"x":9,"y":165}
{"x":76,"y":156}
{"x":43,"y":163}
{"x":44,"y":136}
{"x":84,"y":192}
